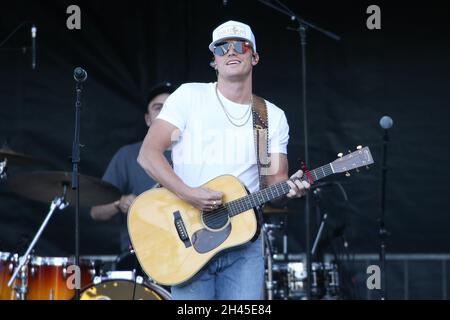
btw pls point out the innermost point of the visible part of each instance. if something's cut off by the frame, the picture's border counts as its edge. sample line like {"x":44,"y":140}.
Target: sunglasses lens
{"x":221,"y":48}
{"x":239,"y":47}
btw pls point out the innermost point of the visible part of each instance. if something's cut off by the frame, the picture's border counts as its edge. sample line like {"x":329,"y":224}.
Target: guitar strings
{"x":215,"y":216}
{"x":218,"y":214}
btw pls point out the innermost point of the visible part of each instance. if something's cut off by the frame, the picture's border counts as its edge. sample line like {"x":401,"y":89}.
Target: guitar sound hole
{"x":216,"y":219}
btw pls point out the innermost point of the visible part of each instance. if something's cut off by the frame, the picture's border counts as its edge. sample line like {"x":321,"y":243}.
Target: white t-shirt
{"x":210,"y":145}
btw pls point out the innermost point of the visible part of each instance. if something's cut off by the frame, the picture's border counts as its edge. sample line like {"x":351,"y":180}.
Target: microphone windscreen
{"x":386,"y":122}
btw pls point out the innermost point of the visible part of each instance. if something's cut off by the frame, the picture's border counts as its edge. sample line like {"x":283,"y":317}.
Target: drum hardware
{"x":123,"y":275}
{"x":91,"y":266}
{"x":21,"y":290}
{"x":14,"y":261}
{"x":40,"y":186}
{"x":289,"y":280}
{"x":269,"y":251}
{"x":286,"y":274}
{"x":319,"y":234}
{"x":3,"y":169}
{"x":58,"y":203}
{"x":45,"y":278}
{"x":10,"y":157}
{"x":332,"y":290}
{"x":126,"y":261}
{"x":135,"y":283}
{"x":278,"y":219}
{"x":129,"y":257}
{"x":123,"y":285}
{"x":7,"y":266}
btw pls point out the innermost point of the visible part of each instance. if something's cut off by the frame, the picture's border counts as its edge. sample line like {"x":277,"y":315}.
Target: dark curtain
{"x":126,"y":47}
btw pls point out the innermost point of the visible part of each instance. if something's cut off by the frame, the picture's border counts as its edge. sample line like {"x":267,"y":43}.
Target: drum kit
{"x":49,"y":278}
{"x":286,"y":274}
{"x":31,"y":277}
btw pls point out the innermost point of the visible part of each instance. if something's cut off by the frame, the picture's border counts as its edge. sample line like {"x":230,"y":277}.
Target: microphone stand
{"x":321,"y":218}
{"x":383,"y":232}
{"x":303,"y":25}
{"x":75,"y":176}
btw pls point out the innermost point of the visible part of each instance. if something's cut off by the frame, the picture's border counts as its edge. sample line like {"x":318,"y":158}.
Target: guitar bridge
{"x":181,"y":229}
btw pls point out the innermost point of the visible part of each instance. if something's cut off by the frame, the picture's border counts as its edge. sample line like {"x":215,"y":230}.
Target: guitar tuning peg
{"x":347,"y":174}
{"x":349,"y":151}
{"x":359,"y":147}
{"x":340,"y":154}
{"x":357,"y":170}
{"x":367,"y":167}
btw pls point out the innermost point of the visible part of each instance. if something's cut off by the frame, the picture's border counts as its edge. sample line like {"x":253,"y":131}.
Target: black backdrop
{"x":126,"y":47}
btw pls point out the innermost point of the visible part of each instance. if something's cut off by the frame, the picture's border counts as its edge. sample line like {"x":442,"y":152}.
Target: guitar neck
{"x":273,"y":192}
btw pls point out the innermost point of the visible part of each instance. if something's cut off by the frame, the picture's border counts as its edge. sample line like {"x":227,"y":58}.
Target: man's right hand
{"x":204,"y":199}
{"x":125,"y":202}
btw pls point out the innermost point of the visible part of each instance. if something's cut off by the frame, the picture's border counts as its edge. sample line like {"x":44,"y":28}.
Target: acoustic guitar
{"x":173,"y":240}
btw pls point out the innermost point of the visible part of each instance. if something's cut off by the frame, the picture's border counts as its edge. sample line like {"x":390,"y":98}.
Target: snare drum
{"x":120,"y":285}
{"x":8,"y":262}
{"x":50,"y":279}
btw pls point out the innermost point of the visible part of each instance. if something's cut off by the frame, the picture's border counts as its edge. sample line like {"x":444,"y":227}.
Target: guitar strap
{"x":261,"y":137}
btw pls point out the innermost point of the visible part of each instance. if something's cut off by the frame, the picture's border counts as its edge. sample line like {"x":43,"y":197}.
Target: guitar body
{"x":161,"y":247}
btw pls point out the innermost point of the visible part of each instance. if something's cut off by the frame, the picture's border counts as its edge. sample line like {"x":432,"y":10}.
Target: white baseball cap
{"x":232,"y":29}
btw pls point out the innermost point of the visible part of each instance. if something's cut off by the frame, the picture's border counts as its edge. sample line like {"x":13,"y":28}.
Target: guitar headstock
{"x":359,"y":158}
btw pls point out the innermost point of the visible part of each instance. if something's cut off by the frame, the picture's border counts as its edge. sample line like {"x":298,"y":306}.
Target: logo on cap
{"x":228,"y":31}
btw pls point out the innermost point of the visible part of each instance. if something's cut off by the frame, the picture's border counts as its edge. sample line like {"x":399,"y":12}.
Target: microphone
{"x":79,"y":74}
{"x":386,"y":122}
{"x":33,"y":47}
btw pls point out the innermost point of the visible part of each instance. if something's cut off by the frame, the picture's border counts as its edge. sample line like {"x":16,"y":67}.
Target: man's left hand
{"x":298,"y":186}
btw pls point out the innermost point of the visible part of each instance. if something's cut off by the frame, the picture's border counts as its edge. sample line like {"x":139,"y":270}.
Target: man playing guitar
{"x":210,"y":130}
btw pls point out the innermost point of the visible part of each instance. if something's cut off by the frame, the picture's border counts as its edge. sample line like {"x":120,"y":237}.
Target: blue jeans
{"x":234,"y":274}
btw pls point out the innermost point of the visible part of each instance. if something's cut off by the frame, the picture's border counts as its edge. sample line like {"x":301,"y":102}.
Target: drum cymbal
{"x":15,"y":158}
{"x":44,"y":186}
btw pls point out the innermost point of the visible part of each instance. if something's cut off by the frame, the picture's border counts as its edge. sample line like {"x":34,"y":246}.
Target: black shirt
{"x":129,"y":177}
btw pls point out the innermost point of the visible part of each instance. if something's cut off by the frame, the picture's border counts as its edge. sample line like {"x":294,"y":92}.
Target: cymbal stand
{"x":21,"y":290}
